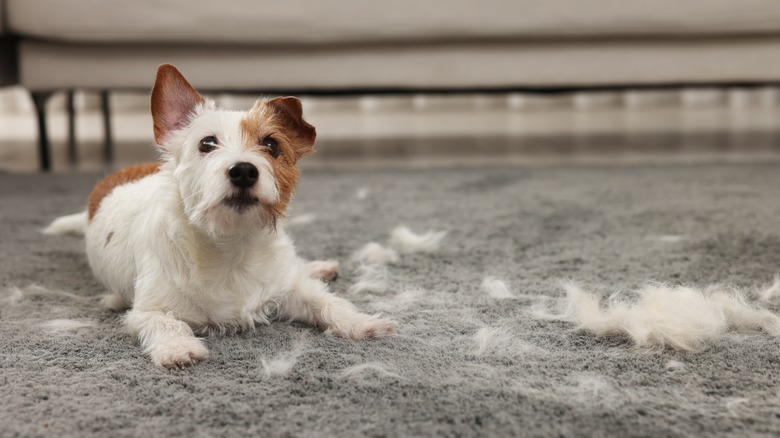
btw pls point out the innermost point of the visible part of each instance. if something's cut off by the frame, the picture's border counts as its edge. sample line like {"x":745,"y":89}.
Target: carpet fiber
{"x":467,"y":360}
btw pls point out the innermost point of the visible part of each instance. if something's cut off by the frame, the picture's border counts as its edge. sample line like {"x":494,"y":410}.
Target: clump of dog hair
{"x":371,"y":278}
{"x":403,"y":240}
{"x":488,"y":338}
{"x":773,"y":292}
{"x":372,"y":259}
{"x":402,"y":300}
{"x":671,"y":238}
{"x":675,"y":365}
{"x":497,"y":340}
{"x":302,"y":219}
{"x":61,"y":326}
{"x":362,"y":193}
{"x":377,"y":368}
{"x":283,"y":364}
{"x":375,"y":254}
{"x":12,"y":295}
{"x":681,"y":318}
{"x":370,"y":263}
{"x":496,"y":288}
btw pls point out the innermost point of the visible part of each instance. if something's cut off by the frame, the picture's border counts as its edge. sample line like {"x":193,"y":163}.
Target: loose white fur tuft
{"x":74,"y":224}
{"x":403,"y":240}
{"x":12,"y":295}
{"x":371,"y":269}
{"x":371,"y":278}
{"x":773,"y":292}
{"x":402,"y":300}
{"x":378,"y":368}
{"x":671,"y":238}
{"x":496,"y":288}
{"x":497,"y":340}
{"x":283,"y":364}
{"x":362,"y":193}
{"x":278,"y":367}
{"x":488,"y":338}
{"x":371,"y":259}
{"x":682,"y":318}
{"x":66,"y":325}
{"x":374,"y":254}
{"x":303,"y":219}
{"x":675,"y":365}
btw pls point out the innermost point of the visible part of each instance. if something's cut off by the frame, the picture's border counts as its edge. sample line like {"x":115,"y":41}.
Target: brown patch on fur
{"x":108,"y":238}
{"x":121,"y":177}
{"x":282,"y":119}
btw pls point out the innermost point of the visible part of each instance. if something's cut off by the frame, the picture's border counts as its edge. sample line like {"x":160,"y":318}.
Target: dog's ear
{"x":173,"y":99}
{"x":290,"y":113}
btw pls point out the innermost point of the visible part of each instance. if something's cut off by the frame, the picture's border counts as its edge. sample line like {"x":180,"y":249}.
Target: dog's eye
{"x":272,"y":145}
{"x":208,"y":144}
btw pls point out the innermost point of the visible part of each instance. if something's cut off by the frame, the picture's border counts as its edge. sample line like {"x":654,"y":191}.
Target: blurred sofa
{"x":358,"y":46}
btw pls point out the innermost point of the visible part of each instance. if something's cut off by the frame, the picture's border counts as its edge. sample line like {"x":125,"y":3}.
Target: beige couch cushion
{"x":422,"y":66}
{"x":354,"y":21}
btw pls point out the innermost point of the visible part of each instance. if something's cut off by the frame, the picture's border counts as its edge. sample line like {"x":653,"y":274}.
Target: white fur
{"x":362,"y":193}
{"x":375,"y":254}
{"x":186,"y":262}
{"x":671,"y":238}
{"x":371,"y":269}
{"x":403,"y":240}
{"x":773,"y":292}
{"x":371,"y":278}
{"x":496,"y":288}
{"x":678,"y":317}
{"x":283,"y":364}
{"x":280,"y":366}
{"x":303,"y":219}
{"x":404,"y":299}
{"x":675,"y":365}
{"x":12,"y":295}
{"x":487,"y":338}
{"x":497,"y":340}
{"x":74,"y":224}
{"x":378,"y":368}
{"x":66,"y":325}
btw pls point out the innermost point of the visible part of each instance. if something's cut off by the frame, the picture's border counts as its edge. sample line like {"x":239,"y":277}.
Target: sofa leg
{"x":39,"y":99}
{"x":108,"y":141}
{"x":71,"y":108}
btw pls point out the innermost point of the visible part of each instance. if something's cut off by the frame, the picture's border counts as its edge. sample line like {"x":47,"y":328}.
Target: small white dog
{"x":197,"y":241}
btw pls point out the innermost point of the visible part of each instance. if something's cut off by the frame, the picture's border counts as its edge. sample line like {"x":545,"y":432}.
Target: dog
{"x":196,"y":242}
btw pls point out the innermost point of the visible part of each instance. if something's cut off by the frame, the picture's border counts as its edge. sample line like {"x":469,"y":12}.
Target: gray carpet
{"x":606,"y":228}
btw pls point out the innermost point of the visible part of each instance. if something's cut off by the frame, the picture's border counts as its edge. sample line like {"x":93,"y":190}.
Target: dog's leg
{"x":311,"y":303}
{"x":325,"y":270}
{"x":169,"y":341}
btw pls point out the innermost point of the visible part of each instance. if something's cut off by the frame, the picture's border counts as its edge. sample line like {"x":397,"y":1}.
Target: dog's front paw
{"x":361,"y":326}
{"x":179,"y":353}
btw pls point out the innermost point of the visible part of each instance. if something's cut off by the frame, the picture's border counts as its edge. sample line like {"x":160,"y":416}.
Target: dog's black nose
{"x":243,"y":175}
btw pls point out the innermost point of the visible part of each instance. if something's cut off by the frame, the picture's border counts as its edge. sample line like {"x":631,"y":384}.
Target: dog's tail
{"x":75,"y":224}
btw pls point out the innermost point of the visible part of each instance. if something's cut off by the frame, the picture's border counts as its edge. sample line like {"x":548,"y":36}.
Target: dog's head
{"x":235,"y":170}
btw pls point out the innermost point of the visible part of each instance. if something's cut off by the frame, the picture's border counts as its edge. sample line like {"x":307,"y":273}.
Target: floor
{"x":628,"y":127}
{"x":465,"y":362}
